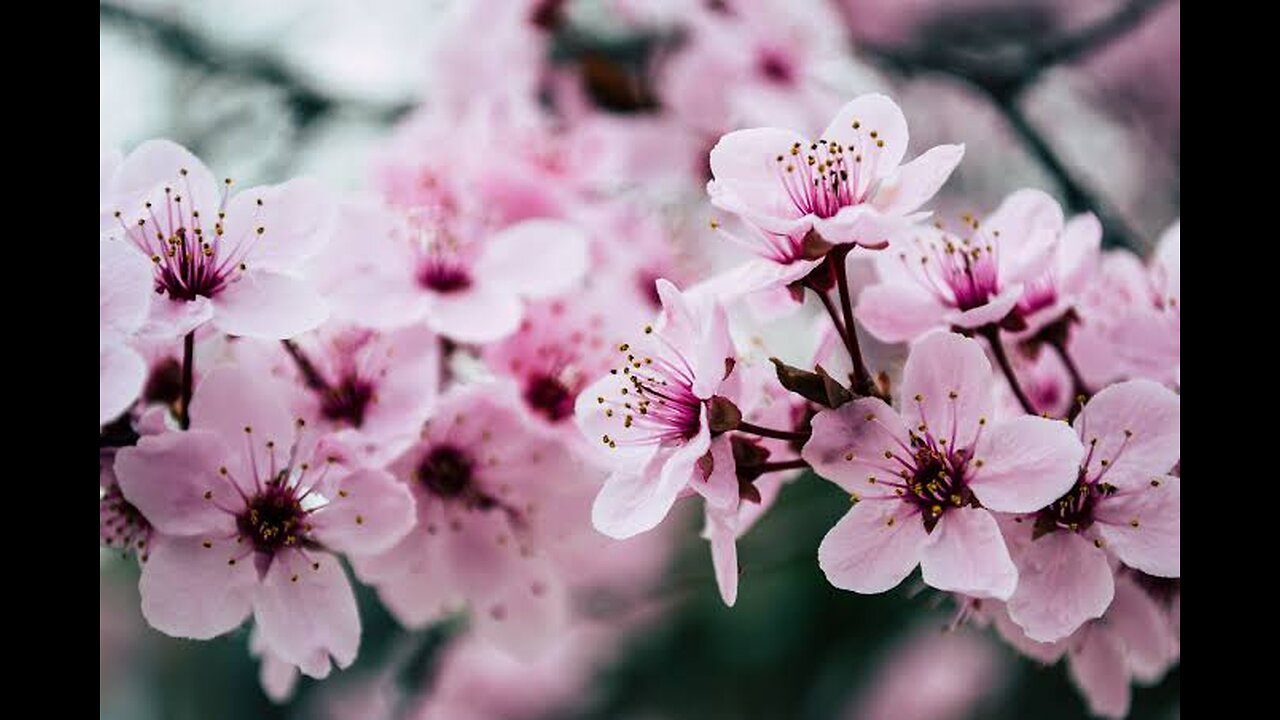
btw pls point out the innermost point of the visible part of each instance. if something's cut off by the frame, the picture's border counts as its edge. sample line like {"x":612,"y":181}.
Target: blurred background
{"x":1079,"y":97}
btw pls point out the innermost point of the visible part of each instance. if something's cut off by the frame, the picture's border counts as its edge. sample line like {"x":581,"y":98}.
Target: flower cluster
{"x":478,"y":388}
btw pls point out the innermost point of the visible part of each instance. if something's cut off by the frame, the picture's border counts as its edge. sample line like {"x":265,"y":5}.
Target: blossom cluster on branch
{"x":477,"y":387}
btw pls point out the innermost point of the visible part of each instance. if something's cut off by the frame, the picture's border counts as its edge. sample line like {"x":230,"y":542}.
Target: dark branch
{"x":1007,"y":73}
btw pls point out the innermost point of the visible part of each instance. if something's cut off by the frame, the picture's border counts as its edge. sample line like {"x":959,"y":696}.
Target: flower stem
{"x":797,"y":464}
{"x":770,"y":432}
{"x":862,"y":383}
{"x":1079,"y":390}
{"x":188,"y":379}
{"x":310,"y":375}
{"x":992,"y":334}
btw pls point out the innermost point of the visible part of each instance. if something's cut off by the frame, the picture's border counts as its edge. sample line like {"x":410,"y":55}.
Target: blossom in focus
{"x":124,"y":300}
{"x":248,"y":513}
{"x":925,"y":482}
{"x":849,"y":186}
{"x":1124,"y":503}
{"x":970,"y":278}
{"x":648,"y":415}
{"x":231,"y":259}
{"x":497,"y":495}
{"x":460,"y":277}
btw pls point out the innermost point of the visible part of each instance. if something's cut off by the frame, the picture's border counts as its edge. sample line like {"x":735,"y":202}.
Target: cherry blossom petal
{"x":193,"y":591}
{"x":1024,"y":463}
{"x":307,"y":612}
{"x":481,"y":313}
{"x":368,"y":513}
{"x":168,"y":476}
{"x":916,"y":182}
{"x":121,"y":375}
{"x":535,"y":258}
{"x":1143,"y":526}
{"x":1097,"y":667}
{"x":873,"y":113}
{"x":966,"y":554}
{"x":874,"y":547}
{"x":947,"y":387}
{"x":898,"y":312}
{"x":1063,"y":581}
{"x":1137,"y":425}
{"x":269,"y":306}
{"x":848,"y":443}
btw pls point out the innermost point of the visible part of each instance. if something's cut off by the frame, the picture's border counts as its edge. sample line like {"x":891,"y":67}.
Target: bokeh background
{"x":1079,"y":97}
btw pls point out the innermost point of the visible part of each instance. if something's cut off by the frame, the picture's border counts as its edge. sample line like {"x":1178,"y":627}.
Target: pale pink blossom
{"x":1050,"y":296}
{"x":970,"y":278}
{"x":229,"y":259}
{"x":1131,"y":317}
{"x":124,"y":300}
{"x":496,"y":497}
{"x":925,"y":482}
{"x":752,"y":63}
{"x":1124,"y":503}
{"x":248,"y":512}
{"x":1131,"y":642}
{"x":648,"y":415}
{"x":849,"y":185}
{"x":461,"y":277}
{"x":372,"y":389}
{"x":561,"y":345}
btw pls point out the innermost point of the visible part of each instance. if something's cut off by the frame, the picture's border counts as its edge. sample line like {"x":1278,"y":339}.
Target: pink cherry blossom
{"x":247,"y":517}
{"x":753,"y":63}
{"x":1075,"y":258}
{"x":648,"y":416}
{"x":975,"y":276}
{"x":464,"y":279}
{"x":1131,"y":317}
{"x":849,"y":185}
{"x":1131,"y":641}
{"x":121,"y":526}
{"x":925,"y":483}
{"x":230,"y":259}
{"x":496,"y":495}
{"x":1124,"y":503}
{"x":373,"y":389}
{"x":124,"y":299}
{"x":561,"y":345}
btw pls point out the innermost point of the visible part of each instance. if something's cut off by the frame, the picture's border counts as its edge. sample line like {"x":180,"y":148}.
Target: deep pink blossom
{"x":227,"y":258}
{"x":648,"y":415}
{"x":248,"y":512}
{"x":924,"y":483}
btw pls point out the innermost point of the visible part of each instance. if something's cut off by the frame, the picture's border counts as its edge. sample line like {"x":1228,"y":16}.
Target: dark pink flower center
{"x":549,"y":396}
{"x":193,"y":255}
{"x":1074,"y":511}
{"x":446,"y":471}
{"x":347,"y":401}
{"x":935,"y":480}
{"x":655,"y":402}
{"x":830,"y":176}
{"x":443,"y":277}
{"x":273,"y":519}
{"x":775,"y":66}
{"x":961,"y":272}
